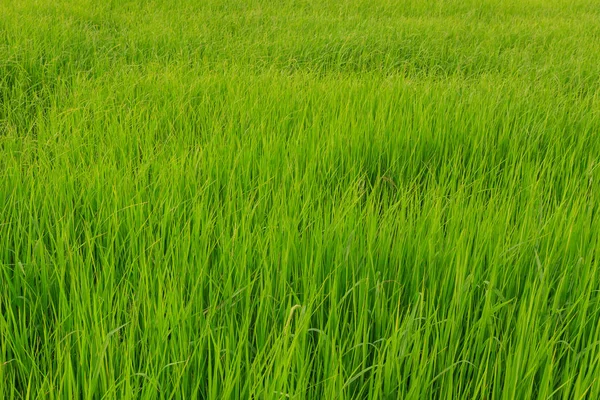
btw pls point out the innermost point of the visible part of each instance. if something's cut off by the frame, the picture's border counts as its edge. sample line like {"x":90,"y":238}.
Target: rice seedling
{"x":299,"y":199}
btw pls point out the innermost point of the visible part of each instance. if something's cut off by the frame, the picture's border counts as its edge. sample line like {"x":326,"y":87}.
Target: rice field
{"x":294,"y":199}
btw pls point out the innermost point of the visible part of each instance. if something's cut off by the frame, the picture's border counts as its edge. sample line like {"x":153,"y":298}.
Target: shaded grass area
{"x":231,"y":199}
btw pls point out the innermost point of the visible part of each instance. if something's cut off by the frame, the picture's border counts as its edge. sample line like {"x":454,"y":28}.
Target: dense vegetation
{"x":299,"y":199}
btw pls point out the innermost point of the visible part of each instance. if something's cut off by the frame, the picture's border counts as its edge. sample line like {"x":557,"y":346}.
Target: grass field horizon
{"x":299,"y":199}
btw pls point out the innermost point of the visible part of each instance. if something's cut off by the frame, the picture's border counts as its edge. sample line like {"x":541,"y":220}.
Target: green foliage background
{"x":299,"y":199}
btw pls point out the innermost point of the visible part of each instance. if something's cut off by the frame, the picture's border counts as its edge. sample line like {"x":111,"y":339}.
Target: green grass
{"x":332,"y":199}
